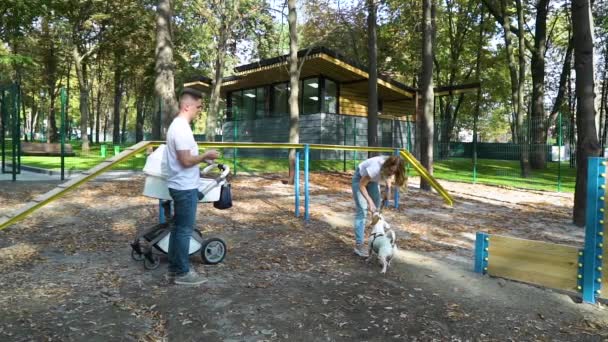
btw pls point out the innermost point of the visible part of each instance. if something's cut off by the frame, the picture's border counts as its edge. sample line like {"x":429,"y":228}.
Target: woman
{"x":366,"y":190}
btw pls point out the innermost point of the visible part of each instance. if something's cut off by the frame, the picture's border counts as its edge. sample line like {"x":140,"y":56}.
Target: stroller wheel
{"x":137,"y":256}
{"x":151,"y":262}
{"x":213,"y":251}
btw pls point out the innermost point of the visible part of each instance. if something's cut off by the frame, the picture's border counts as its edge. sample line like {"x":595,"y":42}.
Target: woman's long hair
{"x":400,"y":175}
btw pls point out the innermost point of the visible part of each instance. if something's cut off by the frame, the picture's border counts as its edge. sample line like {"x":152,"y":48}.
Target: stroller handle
{"x":225,"y":169}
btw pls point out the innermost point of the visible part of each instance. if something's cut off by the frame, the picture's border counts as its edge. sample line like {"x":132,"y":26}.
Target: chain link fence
{"x":537,"y":156}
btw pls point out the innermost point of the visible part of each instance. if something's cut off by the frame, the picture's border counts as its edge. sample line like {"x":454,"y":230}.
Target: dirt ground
{"x":67,"y":274}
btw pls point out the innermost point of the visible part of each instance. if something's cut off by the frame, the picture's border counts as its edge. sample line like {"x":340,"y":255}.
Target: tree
{"x":538,"y":156}
{"x":294,"y":86}
{"x":164,"y":84}
{"x":372,"y":82}
{"x":226,"y":12}
{"x":521,"y":107}
{"x":517,"y":81}
{"x":426,"y":81}
{"x":587,"y":143}
{"x":458,"y":68}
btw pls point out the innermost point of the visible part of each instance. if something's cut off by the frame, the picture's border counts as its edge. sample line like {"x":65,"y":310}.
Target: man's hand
{"x":211,"y":155}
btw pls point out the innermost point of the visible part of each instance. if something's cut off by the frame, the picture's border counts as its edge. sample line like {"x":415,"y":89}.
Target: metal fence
{"x":541,"y":156}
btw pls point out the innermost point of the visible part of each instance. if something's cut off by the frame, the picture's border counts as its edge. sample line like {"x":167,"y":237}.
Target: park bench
{"x":45,"y":149}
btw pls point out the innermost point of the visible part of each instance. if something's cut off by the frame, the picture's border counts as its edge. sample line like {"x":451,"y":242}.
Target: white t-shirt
{"x":371,"y":167}
{"x":180,"y":137}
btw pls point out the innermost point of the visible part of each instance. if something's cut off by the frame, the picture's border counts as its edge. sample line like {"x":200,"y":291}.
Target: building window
{"x":330,"y":102}
{"x":280,"y":100}
{"x":248,"y":110}
{"x":310,"y":96}
{"x":236,"y":103}
{"x":260,"y":103}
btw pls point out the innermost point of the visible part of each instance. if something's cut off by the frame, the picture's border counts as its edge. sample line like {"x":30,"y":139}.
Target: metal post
{"x":14,"y":131}
{"x":481,"y":253}
{"x":3,"y":128}
{"x":559,"y":147}
{"x":297,"y":184}
{"x":355,"y":142}
{"x":62,"y":132}
{"x":306,"y":192}
{"x":409,"y":136}
{"x":396,"y":195}
{"x":475,"y":149}
{"x":344,"y":151}
{"x":594,"y":230}
{"x":161,"y":212}
{"x":234,"y":139}
{"x":18,"y":128}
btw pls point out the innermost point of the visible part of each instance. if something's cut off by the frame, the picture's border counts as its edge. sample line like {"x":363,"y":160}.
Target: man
{"x":181,"y":154}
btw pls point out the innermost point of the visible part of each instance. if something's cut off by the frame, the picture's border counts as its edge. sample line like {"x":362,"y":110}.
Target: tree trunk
{"x":84,"y":98}
{"x":24,"y":114}
{"x":512,"y":72}
{"x":117,"y":100}
{"x":538,"y":157}
{"x":139,"y":121}
{"x":478,"y":76}
{"x":98,"y":107}
{"x":522,"y":138}
{"x":603,"y":109}
{"x":91,"y":107}
{"x":563,"y":83}
{"x":372,"y":83}
{"x":33,"y":117}
{"x":426,"y":82}
{"x":123,"y":130}
{"x":587,"y":143}
{"x":164,"y":84}
{"x":294,"y":87}
{"x":214,"y":100}
{"x":105,"y":126}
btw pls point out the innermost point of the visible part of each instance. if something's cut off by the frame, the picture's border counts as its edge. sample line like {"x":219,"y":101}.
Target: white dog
{"x":382,"y":241}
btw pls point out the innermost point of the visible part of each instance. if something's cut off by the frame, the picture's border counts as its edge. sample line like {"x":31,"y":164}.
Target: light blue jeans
{"x":373,"y":189}
{"x":185,"y":202}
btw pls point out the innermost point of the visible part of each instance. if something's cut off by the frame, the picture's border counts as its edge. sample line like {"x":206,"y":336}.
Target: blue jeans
{"x":373,"y":189}
{"x":184,"y":203}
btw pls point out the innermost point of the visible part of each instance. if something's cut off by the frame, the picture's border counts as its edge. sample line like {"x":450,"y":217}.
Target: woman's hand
{"x":371,"y":207}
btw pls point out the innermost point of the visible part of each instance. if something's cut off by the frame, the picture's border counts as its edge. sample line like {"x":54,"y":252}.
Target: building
{"x":333,"y":103}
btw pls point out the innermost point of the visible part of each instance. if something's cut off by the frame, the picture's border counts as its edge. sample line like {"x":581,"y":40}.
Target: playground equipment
{"x":10,"y":122}
{"x":10,"y":103}
{"x":551,"y":265}
{"x":7,"y":219}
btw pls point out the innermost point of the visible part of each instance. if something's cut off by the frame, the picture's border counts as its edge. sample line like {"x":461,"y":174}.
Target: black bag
{"x":225,"y":201}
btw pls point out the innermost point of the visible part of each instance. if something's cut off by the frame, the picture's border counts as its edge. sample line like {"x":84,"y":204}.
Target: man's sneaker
{"x":361,"y":251}
{"x":189,"y":278}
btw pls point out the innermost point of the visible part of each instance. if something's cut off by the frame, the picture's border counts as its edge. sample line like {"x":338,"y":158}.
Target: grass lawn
{"x":506,"y":172}
{"x":489,"y":171}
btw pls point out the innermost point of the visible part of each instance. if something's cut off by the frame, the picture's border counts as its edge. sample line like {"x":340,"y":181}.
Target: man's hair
{"x":192,"y":93}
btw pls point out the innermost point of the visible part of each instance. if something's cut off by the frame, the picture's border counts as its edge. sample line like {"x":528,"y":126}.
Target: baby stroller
{"x":154,"y":241}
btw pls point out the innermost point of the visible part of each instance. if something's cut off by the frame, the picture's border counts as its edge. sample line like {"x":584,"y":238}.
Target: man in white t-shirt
{"x":181,"y":154}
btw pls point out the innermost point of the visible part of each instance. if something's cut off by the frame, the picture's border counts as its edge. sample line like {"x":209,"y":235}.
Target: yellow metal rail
{"x":62,"y":189}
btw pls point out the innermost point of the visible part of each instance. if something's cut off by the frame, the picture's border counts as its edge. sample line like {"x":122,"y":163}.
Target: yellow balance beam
{"x":63,"y":188}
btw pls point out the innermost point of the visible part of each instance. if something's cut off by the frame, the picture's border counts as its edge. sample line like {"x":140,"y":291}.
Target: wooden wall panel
{"x":534,"y":262}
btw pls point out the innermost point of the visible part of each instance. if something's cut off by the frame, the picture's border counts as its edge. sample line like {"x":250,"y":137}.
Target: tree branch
{"x":498,"y":16}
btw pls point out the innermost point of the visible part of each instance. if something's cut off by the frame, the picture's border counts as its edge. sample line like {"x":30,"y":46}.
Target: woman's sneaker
{"x":361,"y":251}
{"x":190,"y":278}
